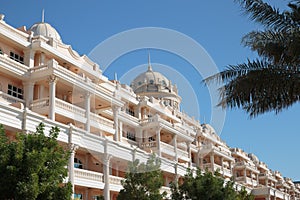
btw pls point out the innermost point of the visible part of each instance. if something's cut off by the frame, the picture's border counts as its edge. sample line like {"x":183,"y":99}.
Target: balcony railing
{"x":69,"y":107}
{"x":148,"y":145}
{"x":88,"y":175}
{"x":115,"y":180}
{"x":12,"y":64}
{"x":101,"y":120}
{"x":10,"y":99}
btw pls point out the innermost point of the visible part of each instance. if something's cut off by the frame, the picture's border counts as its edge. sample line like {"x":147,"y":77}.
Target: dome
{"x":45,"y":30}
{"x":253,"y":157}
{"x":208,"y":129}
{"x":155,"y":85}
{"x":150,"y":77}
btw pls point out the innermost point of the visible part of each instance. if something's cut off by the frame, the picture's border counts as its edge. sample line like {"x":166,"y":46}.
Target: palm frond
{"x":278,"y":47}
{"x":268,"y":16}
{"x":259,"y":91}
{"x":234,"y":71}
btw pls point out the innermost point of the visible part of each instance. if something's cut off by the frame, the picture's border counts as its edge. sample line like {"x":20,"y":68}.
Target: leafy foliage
{"x":33,"y":166}
{"x":207,"y":186}
{"x":273,"y":82}
{"x":142,"y":181}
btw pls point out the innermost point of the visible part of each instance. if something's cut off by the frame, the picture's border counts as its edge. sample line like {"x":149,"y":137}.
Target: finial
{"x":43,"y":15}
{"x":149,"y":63}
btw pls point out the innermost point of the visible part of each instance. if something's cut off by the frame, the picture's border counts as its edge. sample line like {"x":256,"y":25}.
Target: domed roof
{"x":150,"y":77}
{"x":208,"y":129}
{"x":45,"y":30}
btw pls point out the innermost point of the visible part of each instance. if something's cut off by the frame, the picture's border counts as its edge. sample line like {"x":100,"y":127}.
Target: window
{"x":130,"y":111}
{"x":77,"y":163}
{"x":1,"y":52}
{"x":15,"y":91}
{"x":78,"y":196}
{"x":130,"y":136}
{"x":151,"y":139}
{"x":16,"y":57}
{"x":151,"y":81}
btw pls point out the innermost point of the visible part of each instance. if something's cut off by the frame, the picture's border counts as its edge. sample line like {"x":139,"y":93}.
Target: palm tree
{"x":271,"y":83}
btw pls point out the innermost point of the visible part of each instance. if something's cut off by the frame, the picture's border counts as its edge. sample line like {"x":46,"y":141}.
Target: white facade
{"x":107,"y":124}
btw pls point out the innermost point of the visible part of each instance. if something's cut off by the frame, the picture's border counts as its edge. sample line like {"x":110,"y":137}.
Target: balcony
{"x":88,"y":178}
{"x":8,"y":99}
{"x":12,"y":65}
{"x":166,"y":149}
{"x":71,"y":111}
{"x":247,"y":180}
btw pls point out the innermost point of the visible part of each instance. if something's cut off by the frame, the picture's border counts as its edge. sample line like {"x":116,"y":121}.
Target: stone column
{"x":29,"y":58}
{"x":52,"y":90}
{"x":106,"y":161}
{"x":28,"y":92}
{"x":245,"y":174}
{"x":73,"y":149}
{"x":201,"y":162}
{"x":116,"y":111}
{"x":158,"y":141}
{"x":188,"y":145}
{"x":212,"y":162}
{"x":222,"y":165}
{"x":175,"y":147}
{"x":120,"y":130}
{"x":87,"y":103}
{"x":41,"y":91}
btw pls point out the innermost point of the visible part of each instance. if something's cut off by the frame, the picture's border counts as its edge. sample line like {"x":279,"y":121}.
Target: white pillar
{"x":222,"y":165}
{"x":29,"y":58}
{"x":41,"y":91}
{"x":106,"y":160}
{"x":52,"y":90}
{"x":188,"y":144}
{"x":42,"y":61}
{"x":212,"y":162}
{"x":28,"y":92}
{"x":87,"y":111}
{"x":116,"y":111}
{"x":120,"y":130}
{"x":175,"y":147}
{"x":73,"y":149}
{"x":158,"y":141}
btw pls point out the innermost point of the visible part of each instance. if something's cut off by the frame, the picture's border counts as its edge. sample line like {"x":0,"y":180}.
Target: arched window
{"x":151,"y":81}
{"x":77,"y":163}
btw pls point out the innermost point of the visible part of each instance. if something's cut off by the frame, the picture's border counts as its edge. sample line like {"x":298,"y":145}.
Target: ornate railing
{"x":88,"y":175}
{"x":10,"y":99}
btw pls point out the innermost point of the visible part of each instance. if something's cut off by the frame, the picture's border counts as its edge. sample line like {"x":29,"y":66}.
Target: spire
{"x":43,"y":16}
{"x":149,"y":63}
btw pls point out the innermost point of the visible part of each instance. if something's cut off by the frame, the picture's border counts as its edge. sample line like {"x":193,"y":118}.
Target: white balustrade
{"x":88,"y":175}
{"x":69,"y":107}
{"x":10,"y":99}
{"x":101,"y":120}
{"x":115,"y":180}
{"x":147,"y":145}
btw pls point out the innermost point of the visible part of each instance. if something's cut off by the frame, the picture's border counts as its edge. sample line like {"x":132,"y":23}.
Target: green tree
{"x":143,"y":181}
{"x":206,"y":186}
{"x":33,"y":166}
{"x":271,"y":83}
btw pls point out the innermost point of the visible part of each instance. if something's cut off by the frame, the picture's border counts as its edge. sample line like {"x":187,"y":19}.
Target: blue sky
{"x":217,"y":26}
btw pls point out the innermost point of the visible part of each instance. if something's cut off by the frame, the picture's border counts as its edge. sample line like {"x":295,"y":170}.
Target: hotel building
{"x":107,"y":124}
